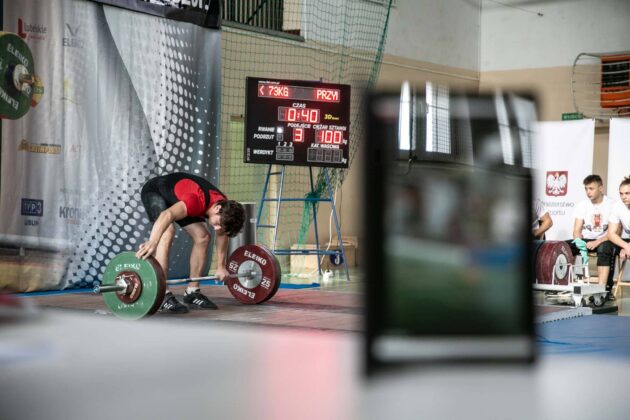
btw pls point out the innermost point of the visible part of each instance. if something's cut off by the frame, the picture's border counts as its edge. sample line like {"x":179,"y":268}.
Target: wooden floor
{"x":323,"y":309}
{"x":338,"y":307}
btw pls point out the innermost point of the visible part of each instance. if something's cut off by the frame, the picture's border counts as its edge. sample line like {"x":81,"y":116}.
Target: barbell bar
{"x":248,"y":275}
{"x":121,"y":287}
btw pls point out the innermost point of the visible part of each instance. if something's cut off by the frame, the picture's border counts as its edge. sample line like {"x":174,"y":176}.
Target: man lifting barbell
{"x":191,"y":202}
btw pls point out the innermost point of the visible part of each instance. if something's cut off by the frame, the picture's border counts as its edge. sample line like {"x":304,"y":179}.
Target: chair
{"x":620,"y":281}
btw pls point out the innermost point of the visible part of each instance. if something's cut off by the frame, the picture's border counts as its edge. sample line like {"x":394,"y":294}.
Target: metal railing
{"x":266,"y":14}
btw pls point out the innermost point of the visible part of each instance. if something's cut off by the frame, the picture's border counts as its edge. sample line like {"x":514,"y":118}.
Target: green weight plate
{"x":151,"y":294}
{"x":14,"y":54}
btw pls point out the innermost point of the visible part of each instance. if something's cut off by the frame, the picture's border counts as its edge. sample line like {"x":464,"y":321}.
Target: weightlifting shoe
{"x":172,"y":305}
{"x":196,"y":300}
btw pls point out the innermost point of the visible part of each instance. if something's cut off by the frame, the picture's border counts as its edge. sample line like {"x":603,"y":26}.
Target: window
{"x":438,"y":129}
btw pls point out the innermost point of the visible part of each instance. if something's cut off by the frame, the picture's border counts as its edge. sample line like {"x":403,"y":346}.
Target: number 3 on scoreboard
{"x":298,"y":135}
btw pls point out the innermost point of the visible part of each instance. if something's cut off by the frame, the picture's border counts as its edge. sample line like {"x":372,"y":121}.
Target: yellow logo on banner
{"x":51,"y":149}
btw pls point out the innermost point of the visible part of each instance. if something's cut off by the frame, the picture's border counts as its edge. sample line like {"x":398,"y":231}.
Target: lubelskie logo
{"x":32,"y":207}
{"x":557,"y":183}
{"x":31,"y":30}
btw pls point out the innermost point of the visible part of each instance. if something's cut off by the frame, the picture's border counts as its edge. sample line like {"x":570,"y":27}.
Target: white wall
{"x":444,"y":32}
{"x":512,"y":38}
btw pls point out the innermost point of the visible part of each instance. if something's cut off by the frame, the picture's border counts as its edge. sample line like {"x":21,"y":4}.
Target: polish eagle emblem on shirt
{"x":557,"y":182}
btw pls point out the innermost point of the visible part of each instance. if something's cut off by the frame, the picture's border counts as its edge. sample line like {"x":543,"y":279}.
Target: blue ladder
{"x":338,"y":253}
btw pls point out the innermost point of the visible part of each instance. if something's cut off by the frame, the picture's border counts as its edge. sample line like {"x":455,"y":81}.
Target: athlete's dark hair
{"x":626,"y":181}
{"x":593,"y":178}
{"x":232,"y":217}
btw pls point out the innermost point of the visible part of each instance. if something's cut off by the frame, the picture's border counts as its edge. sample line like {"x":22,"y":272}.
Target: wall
{"x":521,"y":50}
{"x":474,"y":43}
{"x":516,"y":38}
{"x":443,"y":32}
{"x":433,"y":40}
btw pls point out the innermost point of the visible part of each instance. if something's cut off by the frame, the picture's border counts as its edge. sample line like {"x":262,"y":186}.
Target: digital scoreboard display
{"x":293,"y":122}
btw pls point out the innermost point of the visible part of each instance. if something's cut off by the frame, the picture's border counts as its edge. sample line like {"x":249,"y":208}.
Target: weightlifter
{"x":591,"y":224}
{"x":194,"y":204}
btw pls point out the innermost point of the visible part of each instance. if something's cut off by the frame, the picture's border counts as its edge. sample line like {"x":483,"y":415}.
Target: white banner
{"x":564,"y":157}
{"x":127,"y":96}
{"x":618,"y":153}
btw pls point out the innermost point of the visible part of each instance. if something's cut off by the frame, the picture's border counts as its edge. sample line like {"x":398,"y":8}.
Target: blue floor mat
{"x":594,"y":334}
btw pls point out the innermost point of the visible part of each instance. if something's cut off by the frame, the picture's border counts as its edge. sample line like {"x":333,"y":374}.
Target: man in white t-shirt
{"x":620,"y":220}
{"x":542,"y":220}
{"x":591,"y":219}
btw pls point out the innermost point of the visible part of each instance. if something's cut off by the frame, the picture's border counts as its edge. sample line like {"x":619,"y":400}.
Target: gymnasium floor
{"x":299,"y":355}
{"x":336,"y":306}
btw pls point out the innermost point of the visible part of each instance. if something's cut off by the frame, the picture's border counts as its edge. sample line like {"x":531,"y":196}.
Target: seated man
{"x":191,"y":202}
{"x":620,"y":220}
{"x":542,"y":222}
{"x":591,"y":225}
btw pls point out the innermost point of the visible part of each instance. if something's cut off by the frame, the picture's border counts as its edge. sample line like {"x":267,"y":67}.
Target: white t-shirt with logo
{"x":594,"y":217}
{"x":538,"y":211}
{"x":620,"y":213}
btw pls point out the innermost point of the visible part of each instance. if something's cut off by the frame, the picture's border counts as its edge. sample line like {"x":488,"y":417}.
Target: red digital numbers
{"x":298,"y":135}
{"x":273,"y":91}
{"x":298,"y":93}
{"x":307,"y":115}
{"x":329,"y":136}
{"x":278,"y":91}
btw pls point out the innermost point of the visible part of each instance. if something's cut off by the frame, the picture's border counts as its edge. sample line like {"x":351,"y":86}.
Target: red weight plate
{"x":260,"y":260}
{"x":134,"y":286}
{"x":159,"y":272}
{"x":550,"y":255}
{"x":277,"y":263}
{"x":536,"y":244}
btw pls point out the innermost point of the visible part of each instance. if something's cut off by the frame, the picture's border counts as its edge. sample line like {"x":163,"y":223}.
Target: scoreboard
{"x":293,"y":122}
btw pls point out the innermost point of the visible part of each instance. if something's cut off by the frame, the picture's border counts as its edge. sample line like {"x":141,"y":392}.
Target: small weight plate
{"x":15,"y":57}
{"x":152,"y":291}
{"x":255,"y":258}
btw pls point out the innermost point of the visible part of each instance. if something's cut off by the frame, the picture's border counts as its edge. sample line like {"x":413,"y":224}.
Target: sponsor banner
{"x":618,"y":153}
{"x":114,"y":113}
{"x":563,"y":158}
{"x":206,"y":13}
{"x":33,"y":146}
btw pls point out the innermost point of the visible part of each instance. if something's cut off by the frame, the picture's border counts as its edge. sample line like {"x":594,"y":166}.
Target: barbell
{"x":124,"y":285}
{"x":133,"y":288}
